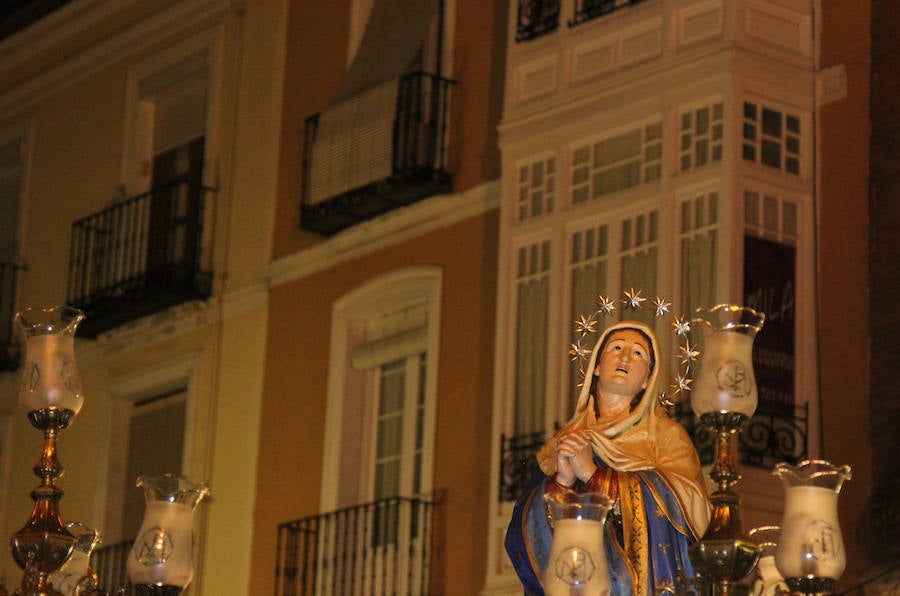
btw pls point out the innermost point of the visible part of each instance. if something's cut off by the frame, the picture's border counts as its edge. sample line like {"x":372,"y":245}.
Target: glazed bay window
{"x":771,"y":137}
{"x":616,"y":163}
{"x":536,"y":188}
{"x":532,"y":291}
{"x":697,"y":237}
{"x":700,"y":136}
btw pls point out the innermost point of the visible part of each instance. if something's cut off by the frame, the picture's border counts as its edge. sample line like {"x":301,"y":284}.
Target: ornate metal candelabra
{"x":724,"y":397}
{"x":51,"y":393}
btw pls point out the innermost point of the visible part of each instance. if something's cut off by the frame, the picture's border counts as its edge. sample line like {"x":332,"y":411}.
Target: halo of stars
{"x":586,"y":325}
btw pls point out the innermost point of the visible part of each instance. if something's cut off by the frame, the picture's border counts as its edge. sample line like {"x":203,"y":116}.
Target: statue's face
{"x":623,"y":367}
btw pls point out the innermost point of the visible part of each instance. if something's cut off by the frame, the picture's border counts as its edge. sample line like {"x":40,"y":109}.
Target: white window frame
{"x":412,"y":376}
{"x":804,"y":136}
{"x":647,"y":165}
{"x":710,"y":103}
{"x":374,"y":298}
{"x":526,"y":189}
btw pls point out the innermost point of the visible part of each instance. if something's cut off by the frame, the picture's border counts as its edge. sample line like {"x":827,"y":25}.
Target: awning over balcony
{"x":393,"y":38}
{"x":355,"y":132}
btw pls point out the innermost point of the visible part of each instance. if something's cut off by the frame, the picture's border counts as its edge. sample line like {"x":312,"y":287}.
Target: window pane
{"x":771,"y":154}
{"x":392,"y":386}
{"x":617,"y":148}
{"x":749,"y":110}
{"x":771,"y":122}
{"x":531,"y":354}
{"x":749,"y":131}
{"x":702,"y":121}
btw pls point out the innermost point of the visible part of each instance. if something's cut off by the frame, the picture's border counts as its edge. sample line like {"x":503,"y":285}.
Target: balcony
{"x":586,"y":10}
{"x":385,"y":547}
{"x":535,"y":18}
{"x":140,"y":256}
{"x":518,"y":463}
{"x":416,"y":133}
{"x":109,"y":563}
{"x":9,"y":343}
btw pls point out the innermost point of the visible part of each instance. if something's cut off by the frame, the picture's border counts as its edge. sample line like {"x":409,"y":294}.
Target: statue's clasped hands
{"x":574,"y":458}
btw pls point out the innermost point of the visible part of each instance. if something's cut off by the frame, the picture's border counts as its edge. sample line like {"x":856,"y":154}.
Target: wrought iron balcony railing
{"x":536,"y":18}
{"x":384,"y":547}
{"x":518,"y":463}
{"x":109,"y":562}
{"x":140,"y":256}
{"x":418,"y":160}
{"x":9,"y":343}
{"x":585,"y":10}
{"x":768,"y":438}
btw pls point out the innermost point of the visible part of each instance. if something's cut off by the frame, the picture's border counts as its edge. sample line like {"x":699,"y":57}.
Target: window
{"x":12,"y":182}
{"x":536,"y":189}
{"x":639,"y":257}
{"x":700,"y":136}
{"x":770,"y":282}
{"x":12,"y":172}
{"x":155,"y":447}
{"x":771,"y":137}
{"x":588,"y":278}
{"x":616,"y":163}
{"x":168,"y":114}
{"x":532,"y":285}
{"x":697,"y":235}
{"x":535,"y":18}
{"x":380,"y":419}
{"x":151,"y":411}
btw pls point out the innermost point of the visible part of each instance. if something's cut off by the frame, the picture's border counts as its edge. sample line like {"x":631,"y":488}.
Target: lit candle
{"x":811,"y":545}
{"x":162,"y":552}
{"x":577,"y":562}
{"x":725,"y":382}
{"x":50,"y":377}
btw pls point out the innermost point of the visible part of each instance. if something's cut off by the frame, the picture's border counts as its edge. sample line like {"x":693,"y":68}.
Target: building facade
{"x":331,"y":255}
{"x":123,"y":195}
{"x":681,"y":150}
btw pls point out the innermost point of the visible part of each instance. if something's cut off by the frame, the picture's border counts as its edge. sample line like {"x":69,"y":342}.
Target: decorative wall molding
{"x":831,"y":84}
{"x":64,"y":25}
{"x":389,"y":229}
{"x":698,"y":23}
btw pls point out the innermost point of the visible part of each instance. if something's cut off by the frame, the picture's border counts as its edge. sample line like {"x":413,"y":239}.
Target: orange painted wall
{"x":293,"y":414}
{"x":843,"y":218}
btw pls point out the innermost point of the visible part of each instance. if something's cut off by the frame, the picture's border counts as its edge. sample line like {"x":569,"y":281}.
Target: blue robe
{"x":660,"y":546}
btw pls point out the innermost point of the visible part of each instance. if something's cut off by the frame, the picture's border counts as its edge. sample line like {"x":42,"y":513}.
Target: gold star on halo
{"x":688,"y":352}
{"x":633,"y":299}
{"x":684,"y":382}
{"x":661,"y":305}
{"x":578,"y":351}
{"x":607,"y":305}
{"x":586,"y":325}
{"x":681,"y":325}
{"x":581,"y":376}
{"x":665,"y":401}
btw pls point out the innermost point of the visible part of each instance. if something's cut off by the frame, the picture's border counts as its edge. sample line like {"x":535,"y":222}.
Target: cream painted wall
{"x":75,"y":104}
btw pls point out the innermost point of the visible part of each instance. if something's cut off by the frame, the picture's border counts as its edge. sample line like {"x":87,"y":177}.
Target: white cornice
{"x":249,"y":297}
{"x":386,"y":230}
{"x":64,"y":24}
